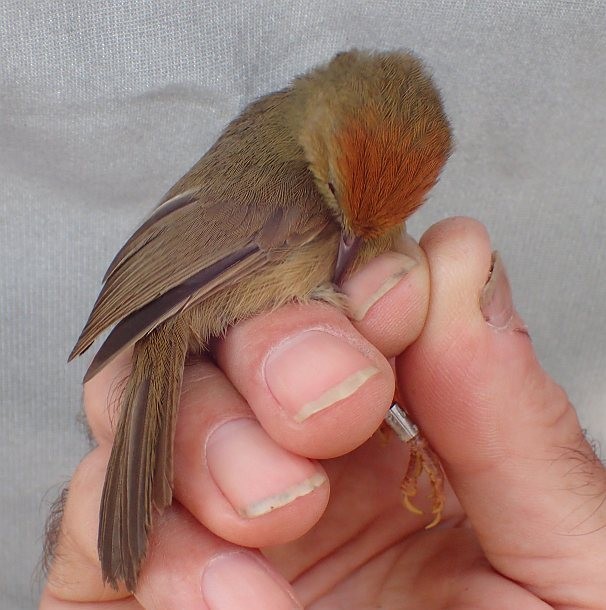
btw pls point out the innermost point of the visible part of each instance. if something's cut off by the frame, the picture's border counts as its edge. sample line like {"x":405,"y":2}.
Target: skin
{"x":526,"y":530}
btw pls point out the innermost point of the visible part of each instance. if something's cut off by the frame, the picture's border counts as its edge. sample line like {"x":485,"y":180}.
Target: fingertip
{"x":188,"y":567}
{"x":317,"y":386}
{"x":454,"y":234}
{"x":259,"y":587}
{"x":389,"y":297}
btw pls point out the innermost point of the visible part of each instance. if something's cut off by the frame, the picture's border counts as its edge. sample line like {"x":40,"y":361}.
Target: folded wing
{"x":190,"y":246}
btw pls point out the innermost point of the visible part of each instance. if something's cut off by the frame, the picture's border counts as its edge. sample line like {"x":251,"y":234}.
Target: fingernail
{"x":314,"y":370}
{"x":254,"y":473}
{"x":496,"y":302}
{"x":375,"y":280}
{"x":237,"y":580}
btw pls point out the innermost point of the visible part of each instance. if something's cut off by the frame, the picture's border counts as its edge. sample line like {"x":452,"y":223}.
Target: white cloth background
{"x":104,"y":104}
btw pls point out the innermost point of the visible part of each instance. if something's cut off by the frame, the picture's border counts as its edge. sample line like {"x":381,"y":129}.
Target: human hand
{"x":528,"y":531}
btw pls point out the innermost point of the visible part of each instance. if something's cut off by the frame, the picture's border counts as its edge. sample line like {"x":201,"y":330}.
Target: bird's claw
{"x":423,"y":459}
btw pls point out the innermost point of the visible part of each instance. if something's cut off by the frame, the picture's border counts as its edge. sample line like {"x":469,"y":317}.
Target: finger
{"x":186,"y":567}
{"x":189,"y":568}
{"x":389,"y":296}
{"x":510,"y":440}
{"x":315,"y":384}
{"x":232,"y":476}
{"x":318,"y":386}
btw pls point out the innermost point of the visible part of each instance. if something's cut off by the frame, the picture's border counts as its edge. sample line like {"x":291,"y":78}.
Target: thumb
{"x":511,"y":444}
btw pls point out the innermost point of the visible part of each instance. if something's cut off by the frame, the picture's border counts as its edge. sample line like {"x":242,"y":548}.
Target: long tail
{"x":139,"y":473}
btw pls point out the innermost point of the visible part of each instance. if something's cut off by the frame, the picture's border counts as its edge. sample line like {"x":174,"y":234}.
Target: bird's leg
{"x":422,"y":460}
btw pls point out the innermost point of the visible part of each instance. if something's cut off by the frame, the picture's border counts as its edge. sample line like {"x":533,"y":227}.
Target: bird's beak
{"x":349,"y":245}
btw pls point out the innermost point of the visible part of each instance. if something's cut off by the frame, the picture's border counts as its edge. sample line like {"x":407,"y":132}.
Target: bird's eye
{"x":331,"y":186}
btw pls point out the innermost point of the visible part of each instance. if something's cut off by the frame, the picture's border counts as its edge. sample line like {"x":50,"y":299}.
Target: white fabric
{"x":104,"y":104}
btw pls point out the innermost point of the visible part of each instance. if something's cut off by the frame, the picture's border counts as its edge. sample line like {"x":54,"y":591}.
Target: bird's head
{"x":375,"y":136}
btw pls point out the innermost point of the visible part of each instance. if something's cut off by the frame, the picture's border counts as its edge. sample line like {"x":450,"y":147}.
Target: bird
{"x":301,"y":189}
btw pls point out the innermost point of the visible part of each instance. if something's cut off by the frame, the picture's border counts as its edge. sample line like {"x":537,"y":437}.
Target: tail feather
{"x":139,"y":473}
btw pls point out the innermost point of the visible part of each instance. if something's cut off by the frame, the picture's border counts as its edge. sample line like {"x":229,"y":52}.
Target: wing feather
{"x":149,"y":286}
{"x":150,"y":228}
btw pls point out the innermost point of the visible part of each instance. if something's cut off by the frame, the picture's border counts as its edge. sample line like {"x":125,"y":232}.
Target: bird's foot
{"x":423,"y":460}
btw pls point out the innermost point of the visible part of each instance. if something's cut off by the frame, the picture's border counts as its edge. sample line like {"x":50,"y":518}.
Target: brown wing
{"x":185,"y":251}
{"x":150,"y":228}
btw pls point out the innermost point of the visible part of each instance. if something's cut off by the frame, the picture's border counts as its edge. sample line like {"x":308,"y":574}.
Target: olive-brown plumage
{"x":307,"y":181}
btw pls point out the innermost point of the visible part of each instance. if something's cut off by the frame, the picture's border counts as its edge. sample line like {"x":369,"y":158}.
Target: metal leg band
{"x":400,"y":423}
